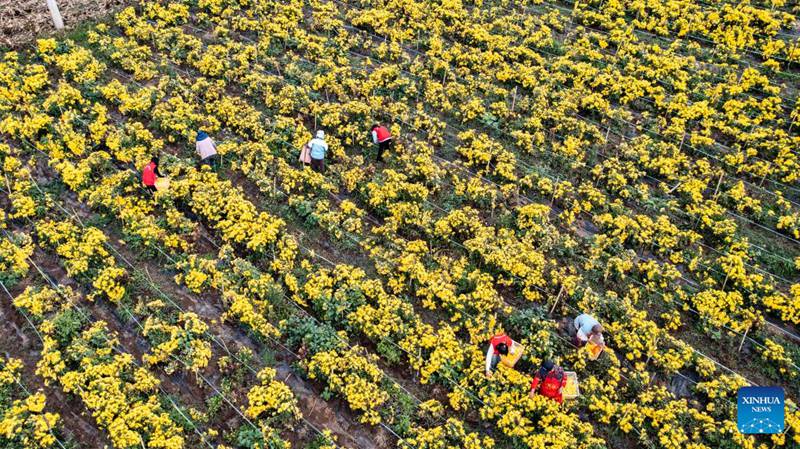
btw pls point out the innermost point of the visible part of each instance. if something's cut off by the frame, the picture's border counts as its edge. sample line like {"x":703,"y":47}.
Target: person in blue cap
{"x":206,"y":149}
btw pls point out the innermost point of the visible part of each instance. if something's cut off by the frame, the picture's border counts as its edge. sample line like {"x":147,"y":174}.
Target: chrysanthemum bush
{"x":179,"y":341}
{"x":24,"y":417}
{"x":83,"y":358}
{"x":85,"y":256}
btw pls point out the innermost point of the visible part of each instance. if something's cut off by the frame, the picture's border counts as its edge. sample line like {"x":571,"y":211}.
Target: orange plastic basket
{"x":594,"y":350}
{"x":162,"y":184}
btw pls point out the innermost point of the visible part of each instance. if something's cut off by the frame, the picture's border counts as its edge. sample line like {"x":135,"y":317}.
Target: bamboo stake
{"x":514,"y":99}
{"x":743,"y":337}
{"x":676,"y":186}
{"x":716,"y":191}
{"x":558,"y":297}
{"x":58,"y":22}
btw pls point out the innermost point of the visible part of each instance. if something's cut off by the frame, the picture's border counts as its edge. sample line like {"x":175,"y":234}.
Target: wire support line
{"x":529,"y":167}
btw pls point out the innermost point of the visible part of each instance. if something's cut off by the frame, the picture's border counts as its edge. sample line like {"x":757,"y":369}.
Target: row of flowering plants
{"x":178,"y":340}
{"x":26,"y":420}
{"x":317,"y":366}
{"x":781,"y":302}
{"x":195,"y":191}
{"x":672,"y":242}
{"x":83,"y":358}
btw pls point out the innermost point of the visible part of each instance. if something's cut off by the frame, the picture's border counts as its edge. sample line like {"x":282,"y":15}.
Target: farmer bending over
{"x":587,"y":329}
{"x":498,"y":346}
{"x":549,"y":381}
{"x":150,"y":174}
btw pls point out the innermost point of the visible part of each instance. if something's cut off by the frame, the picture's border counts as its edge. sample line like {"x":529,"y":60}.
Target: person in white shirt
{"x":587,"y":328}
{"x":318,"y":150}
{"x":206,"y":149}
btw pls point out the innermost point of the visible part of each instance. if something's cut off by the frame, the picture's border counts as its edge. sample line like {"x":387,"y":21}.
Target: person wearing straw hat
{"x":206,"y":149}
{"x":549,"y":381}
{"x":318,"y":150}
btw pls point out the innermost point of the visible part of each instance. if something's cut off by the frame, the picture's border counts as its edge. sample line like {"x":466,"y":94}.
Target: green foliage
{"x":390,"y":352}
{"x":336,"y":309}
{"x":400,"y":410}
{"x":538,"y":332}
{"x":68,"y":325}
{"x":305,"y":332}
{"x":213,"y":405}
{"x":252,"y":438}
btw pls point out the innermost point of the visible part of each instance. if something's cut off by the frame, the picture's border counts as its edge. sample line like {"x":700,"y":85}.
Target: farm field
{"x":636,"y":160}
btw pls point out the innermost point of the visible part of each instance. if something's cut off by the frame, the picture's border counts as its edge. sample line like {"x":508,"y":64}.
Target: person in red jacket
{"x":150,"y":174}
{"x":549,"y":381}
{"x":498,"y":346}
{"x":381,"y":137}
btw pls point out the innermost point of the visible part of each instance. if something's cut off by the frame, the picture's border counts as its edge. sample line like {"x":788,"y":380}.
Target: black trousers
{"x":383,"y":146}
{"x":318,"y":165}
{"x":211,"y":161}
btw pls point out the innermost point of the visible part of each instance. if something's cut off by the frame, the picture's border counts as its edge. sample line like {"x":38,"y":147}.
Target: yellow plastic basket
{"x":514,"y":353}
{"x":571,"y":389}
{"x":162,"y":184}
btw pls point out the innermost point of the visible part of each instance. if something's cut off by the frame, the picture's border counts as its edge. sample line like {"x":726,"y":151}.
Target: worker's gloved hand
{"x":488,"y":374}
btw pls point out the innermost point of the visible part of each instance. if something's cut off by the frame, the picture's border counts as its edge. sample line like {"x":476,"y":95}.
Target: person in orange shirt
{"x":498,"y":346}
{"x":549,"y":381}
